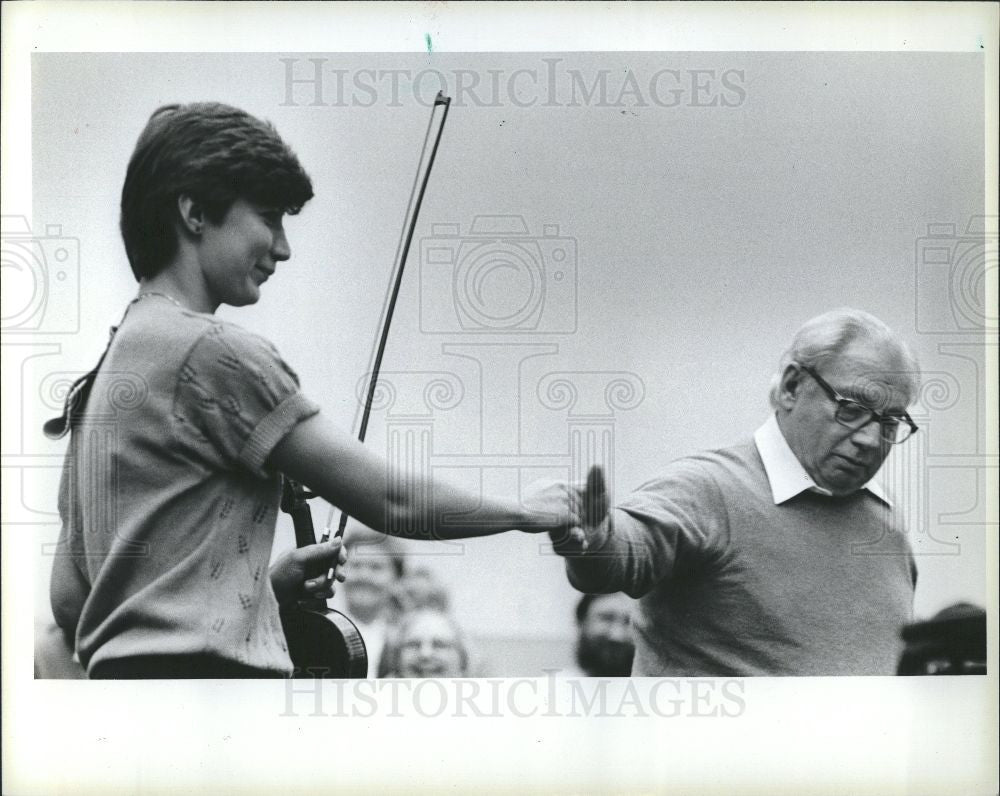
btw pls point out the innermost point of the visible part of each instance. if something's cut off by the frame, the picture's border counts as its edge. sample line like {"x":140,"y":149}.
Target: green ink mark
{"x":427,"y":38}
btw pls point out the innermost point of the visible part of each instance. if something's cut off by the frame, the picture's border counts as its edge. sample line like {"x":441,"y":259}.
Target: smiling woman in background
{"x":429,"y":643}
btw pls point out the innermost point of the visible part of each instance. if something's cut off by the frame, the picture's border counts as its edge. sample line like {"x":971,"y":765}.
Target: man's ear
{"x":192,"y":216}
{"x":790,"y":386}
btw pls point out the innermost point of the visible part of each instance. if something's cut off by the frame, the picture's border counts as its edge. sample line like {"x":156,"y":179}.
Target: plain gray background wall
{"x":700,"y":228}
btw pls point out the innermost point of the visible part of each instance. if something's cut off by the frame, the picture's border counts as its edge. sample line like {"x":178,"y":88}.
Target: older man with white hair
{"x":751,"y":560}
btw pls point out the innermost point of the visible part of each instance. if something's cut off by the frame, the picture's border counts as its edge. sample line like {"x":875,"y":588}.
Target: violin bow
{"x":424,"y":166}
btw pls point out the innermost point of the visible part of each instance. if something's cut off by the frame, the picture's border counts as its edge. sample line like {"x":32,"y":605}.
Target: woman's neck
{"x":186,"y":292}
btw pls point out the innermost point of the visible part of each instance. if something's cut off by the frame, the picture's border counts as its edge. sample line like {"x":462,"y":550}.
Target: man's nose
{"x":619,"y":631}
{"x":868,"y":436}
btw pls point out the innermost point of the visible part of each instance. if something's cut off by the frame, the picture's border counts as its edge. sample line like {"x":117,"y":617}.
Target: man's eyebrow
{"x":859,"y":396}
{"x":856,"y":393}
{"x":865,"y":398}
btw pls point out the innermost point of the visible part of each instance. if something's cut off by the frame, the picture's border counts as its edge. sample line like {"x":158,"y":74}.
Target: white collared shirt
{"x":785,"y":472}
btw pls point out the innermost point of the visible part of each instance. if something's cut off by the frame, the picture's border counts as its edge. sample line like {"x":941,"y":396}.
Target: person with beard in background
{"x":374,"y":566}
{"x":604,"y":645}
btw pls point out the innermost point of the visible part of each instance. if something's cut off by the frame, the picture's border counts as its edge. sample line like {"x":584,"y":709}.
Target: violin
{"x":323,"y":642}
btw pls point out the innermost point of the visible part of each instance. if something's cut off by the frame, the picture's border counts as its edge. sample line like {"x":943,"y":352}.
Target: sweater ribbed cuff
{"x":273,"y":428}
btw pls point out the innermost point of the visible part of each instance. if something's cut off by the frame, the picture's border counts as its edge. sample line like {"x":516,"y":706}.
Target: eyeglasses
{"x":893,"y":428}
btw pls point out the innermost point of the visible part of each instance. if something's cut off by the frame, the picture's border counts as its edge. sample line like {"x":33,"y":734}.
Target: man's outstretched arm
{"x":617,"y":552}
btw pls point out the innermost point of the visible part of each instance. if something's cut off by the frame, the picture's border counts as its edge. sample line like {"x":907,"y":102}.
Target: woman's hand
{"x":570,"y":513}
{"x":302,"y":572}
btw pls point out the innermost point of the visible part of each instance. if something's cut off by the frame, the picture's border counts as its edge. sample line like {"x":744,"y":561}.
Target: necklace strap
{"x":157,"y":294}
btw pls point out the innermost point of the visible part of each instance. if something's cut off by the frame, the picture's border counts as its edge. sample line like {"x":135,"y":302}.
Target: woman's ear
{"x":192,"y":216}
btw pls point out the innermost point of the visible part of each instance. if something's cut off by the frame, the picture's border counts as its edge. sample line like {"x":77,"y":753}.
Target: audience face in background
{"x":418,"y":588}
{"x":604,"y":646}
{"x":430,"y":645}
{"x":371,"y":577}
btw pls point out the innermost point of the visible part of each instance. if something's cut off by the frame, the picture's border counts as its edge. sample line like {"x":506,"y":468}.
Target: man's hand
{"x":575,"y":513}
{"x":594,"y":503}
{"x":303,"y":572}
{"x":595,"y":499}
